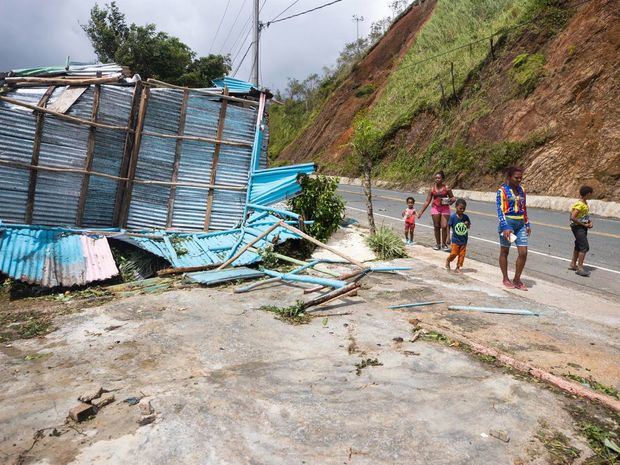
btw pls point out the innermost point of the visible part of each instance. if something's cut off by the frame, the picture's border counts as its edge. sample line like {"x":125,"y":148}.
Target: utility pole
{"x":357,"y":20}
{"x":256,"y":39}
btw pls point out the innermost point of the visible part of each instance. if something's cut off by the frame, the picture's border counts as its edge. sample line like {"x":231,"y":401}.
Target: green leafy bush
{"x":320,"y":203}
{"x":365,"y":90}
{"x":527,"y":70}
{"x":386,"y":244}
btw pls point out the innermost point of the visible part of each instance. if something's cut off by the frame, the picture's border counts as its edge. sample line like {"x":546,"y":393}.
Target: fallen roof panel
{"x":54,"y":257}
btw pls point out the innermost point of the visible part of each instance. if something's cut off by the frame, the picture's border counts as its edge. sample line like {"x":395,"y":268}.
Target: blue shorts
{"x":518,"y":229}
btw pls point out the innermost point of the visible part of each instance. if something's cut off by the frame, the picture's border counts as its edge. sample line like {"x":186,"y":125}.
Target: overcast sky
{"x":43,"y":32}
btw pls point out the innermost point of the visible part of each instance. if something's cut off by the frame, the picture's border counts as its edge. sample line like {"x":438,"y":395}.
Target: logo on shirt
{"x":460,"y":229}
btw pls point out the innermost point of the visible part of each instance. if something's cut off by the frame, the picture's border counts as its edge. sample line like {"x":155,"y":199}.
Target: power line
{"x":241,"y":34}
{"x":241,"y":44}
{"x":233,"y":24}
{"x":487,"y":38}
{"x":243,"y":58}
{"x":301,"y":13}
{"x":220,"y":25}
{"x":285,"y":10}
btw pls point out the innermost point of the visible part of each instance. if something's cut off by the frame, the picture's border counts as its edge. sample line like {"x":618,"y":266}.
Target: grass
{"x":386,"y":244}
{"x":604,"y":444}
{"x":369,"y":362}
{"x":527,"y":71}
{"x":595,"y":385}
{"x":293,"y":314}
{"x":455,"y":23}
{"x":558,"y":446}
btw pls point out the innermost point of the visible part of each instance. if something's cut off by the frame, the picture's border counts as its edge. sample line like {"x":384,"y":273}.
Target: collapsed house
{"x":89,"y":155}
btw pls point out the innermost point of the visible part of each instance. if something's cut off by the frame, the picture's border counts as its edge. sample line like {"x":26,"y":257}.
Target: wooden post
{"x":36,"y":147}
{"x":349,"y":288}
{"x":177,"y":158}
{"x":320,"y":244}
{"x":131,"y":124}
{"x":88,"y":162}
{"x":133,"y":162}
{"x":452,"y":74}
{"x":216,"y":157}
{"x":247,"y":246}
{"x":443,"y":93}
{"x":492,"y":47}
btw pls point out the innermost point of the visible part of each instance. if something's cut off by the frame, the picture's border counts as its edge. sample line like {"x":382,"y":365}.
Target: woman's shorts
{"x":440,"y":210}
{"x":581,"y":238}
{"x":518,"y":228}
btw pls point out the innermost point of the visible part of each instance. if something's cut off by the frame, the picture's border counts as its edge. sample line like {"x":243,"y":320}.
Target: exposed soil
{"x":573,"y":106}
{"x":331,"y":132}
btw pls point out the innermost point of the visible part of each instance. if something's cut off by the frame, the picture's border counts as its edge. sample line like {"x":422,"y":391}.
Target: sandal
{"x":583,"y":273}
{"x":436,"y":247}
{"x":573,"y":268}
{"x":508,"y":284}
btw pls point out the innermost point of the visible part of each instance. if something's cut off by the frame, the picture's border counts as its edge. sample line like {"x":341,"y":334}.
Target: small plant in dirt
{"x":365,"y":90}
{"x":268,"y":258}
{"x":293,"y":314}
{"x":604,"y":443}
{"x":595,"y":385}
{"x":527,"y":71}
{"x":386,"y":244}
{"x":320,"y":203}
{"x":369,"y":362}
{"x":558,"y":446}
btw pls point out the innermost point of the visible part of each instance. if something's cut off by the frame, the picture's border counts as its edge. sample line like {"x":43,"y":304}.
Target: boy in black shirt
{"x":460,"y":224}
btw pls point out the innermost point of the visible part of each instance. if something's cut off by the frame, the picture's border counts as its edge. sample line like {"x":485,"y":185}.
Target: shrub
{"x":365,"y":90}
{"x":527,"y":70}
{"x":320,"y":203}
{"x":386,"y":244}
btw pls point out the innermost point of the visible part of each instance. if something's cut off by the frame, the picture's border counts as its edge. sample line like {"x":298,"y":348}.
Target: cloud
{"x":40,"y":33}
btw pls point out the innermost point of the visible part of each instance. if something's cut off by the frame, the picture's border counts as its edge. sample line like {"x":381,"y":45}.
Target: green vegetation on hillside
{"x":415,"y":84}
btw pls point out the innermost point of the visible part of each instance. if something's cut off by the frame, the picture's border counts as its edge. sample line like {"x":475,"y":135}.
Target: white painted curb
{"x":563,"y":204}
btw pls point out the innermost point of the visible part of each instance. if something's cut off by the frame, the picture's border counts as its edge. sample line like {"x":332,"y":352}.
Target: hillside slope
{"x":545,"y":96}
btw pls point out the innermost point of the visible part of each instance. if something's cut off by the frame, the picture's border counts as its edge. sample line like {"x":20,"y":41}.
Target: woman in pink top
{"x":440,"y":198}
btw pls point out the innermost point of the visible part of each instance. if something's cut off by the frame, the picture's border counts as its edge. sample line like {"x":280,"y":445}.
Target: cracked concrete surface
{"x":232,"y":385}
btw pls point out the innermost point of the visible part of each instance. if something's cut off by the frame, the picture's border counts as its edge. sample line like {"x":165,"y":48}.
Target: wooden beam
{"x":68,"y":169}
{"x":36,"y":147}
{"x":131,"y":123}
{"x":156,"y":83}
{"x":216,"y":156}
{"x":90,"y":152}
{"x":320,"y":244}
{"x":62,"y":81}
{"x":68,"y":97}
{"x":250,"y":244}
{"x":133,"y":162}
{"x":72,"y":119}
{"x":177,"y":158}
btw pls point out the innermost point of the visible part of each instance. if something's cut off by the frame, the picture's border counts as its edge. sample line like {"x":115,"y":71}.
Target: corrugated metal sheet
{"x":223,"y":276}
{"x":235,"y":86}
{"x":54,"y":257}
{"x":189,"y":250}
{"x":63,"y":144}
{"x":274,"y":185}
{"x":74,"y":69}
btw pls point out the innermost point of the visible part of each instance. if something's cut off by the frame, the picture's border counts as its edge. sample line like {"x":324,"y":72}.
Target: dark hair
{"x":441,"y":173}
{"x":410,"y":198}
{"x":460,"y":202}
{"x":511,"y":170}
{"x":585,"y":190}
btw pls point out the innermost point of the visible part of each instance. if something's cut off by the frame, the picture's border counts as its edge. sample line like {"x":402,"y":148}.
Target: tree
{"x":367,"y":143}
{"x":149,"y":52}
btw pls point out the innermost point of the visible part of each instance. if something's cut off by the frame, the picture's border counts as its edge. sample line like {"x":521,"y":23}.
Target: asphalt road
{"x":550,"y":246}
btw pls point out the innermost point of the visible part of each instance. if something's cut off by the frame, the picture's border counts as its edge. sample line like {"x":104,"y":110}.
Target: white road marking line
{"x":493,"y":242}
